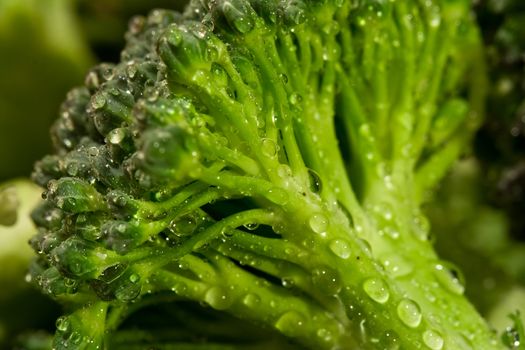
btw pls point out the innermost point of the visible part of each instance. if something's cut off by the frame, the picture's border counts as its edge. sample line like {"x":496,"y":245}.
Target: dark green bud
{"x":111,"y":107}
{"x":46,"y":169}
{"x":293,"y":11}
{"x":239,"y":15}
{"x":87,"y":225}
{"x":123,"y":236}
{"x":118,"y":282}
{"x":170,"y":154}
{"x":48,"y":216}
{"x":74,"y":195}
{"x":53,"y":283}
{"x":78,"y":258}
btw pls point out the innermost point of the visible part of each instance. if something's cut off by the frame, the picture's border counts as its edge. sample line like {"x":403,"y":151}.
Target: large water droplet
{"x":116,"y":136}
{"x":268,"y":147}
{"x":218,"y":298}
{"x":433,"y":339}
{"x":318,"y":223}
{"x":316,"y":184}
{"x":295,"y":99}
{"x":251,"y":300}
{"x":98,"y":100}
{"x":341,"y":248}
{"x":377,"y":290}
{"x":63,"y":324}
{"x":290,"y":323}
{"x":409,"y":313}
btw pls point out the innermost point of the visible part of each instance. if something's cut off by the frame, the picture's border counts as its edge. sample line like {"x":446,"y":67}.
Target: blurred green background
{"x":46,"y":47}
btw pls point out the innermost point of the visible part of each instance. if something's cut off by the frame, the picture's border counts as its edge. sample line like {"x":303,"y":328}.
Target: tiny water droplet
{"x":390,"y":341}
{"x":409,"y":313}
{"x":327,"y":280}
{"x":449,"y":277}
{"x":433,"y":339}
{"x":287,"y":282}
{"x":377,"y":290}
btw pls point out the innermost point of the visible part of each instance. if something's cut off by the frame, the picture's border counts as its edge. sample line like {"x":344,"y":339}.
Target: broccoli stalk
{"x":267,"y":159}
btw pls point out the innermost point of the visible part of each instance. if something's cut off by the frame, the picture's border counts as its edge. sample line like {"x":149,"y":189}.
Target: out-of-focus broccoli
{"x":22,"y":307}
{"x":263,"y":161}
{"x":42,"y":56}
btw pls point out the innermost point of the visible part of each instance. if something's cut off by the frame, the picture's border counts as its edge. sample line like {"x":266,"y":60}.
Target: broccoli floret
{"x":264,"y":161}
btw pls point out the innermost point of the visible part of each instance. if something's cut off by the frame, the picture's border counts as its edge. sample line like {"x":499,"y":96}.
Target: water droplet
{"x":449,"y":277}
{"x":316,"y":184}
{"x":326,"y":280}
{"x":128,"y":291}
{"x":341,"y":248}
{"x":290,"y":323}
{"x":284,"y":78}
{"x":179,"y":288}
{"x":318,"y":223}
{"x":134,"y":278}
{"x":511,"y":338}
{"x":433,"y":339}
{"x":98,"y":100}
{"x":251,"y":300}
{"x":396,"y":266}
{"x":377,"y":290}
{"x":93,"y":151}
{"x":324,"y":334}
{"x":421,"y":227}
{"x":295,"y":99}
{"x":268,"y":147}
{"x":116,"y":136}
{"x":390,"y":341}
{"x":218,"y":298}
{"x":287,"y":282}
{"x":63,"y":324}
{"x":251,"y":226}
{"x":409,"y":313}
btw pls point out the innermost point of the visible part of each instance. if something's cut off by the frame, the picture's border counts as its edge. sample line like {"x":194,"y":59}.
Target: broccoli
{"x":250,"y":176}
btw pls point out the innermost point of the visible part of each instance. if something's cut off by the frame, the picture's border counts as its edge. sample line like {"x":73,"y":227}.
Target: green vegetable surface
{"x":250,"y":176}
